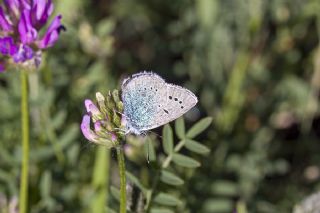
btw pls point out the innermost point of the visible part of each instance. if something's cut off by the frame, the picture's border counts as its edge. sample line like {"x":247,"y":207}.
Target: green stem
{"x":23,"y":204}
{"x":122,"y":173}
{"x":100,"y":179}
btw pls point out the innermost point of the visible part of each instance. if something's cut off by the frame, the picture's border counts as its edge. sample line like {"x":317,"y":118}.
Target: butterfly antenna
{"x":160,"y":136}
{"x":148,"y":158}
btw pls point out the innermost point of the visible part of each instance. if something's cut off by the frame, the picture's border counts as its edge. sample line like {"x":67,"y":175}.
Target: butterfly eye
{"x":176,"y":99}
{"x":170,"y":97}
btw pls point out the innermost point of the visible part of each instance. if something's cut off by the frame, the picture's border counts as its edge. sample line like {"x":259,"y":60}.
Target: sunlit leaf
{"x":45,"y":184}
{"x":218,"y":205}
{"x":161,"y":210}
{"x":58,"y":119}
{"x":167,"y":140}
{"x":180,"y":128}
{"x":196,"y":147}
{"x":170,"y":178}
{"x":185,"y":161}
{"x":166,"y":199}
{"x":199,"y":127}
{"x":223,"y":187}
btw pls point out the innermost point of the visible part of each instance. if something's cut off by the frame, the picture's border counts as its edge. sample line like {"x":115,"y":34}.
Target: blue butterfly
{"x":150,"y":102}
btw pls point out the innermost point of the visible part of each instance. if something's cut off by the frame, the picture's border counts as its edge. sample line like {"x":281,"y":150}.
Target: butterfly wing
{"x":149,"y":102}
{"x":179,"y":101}
{"x":140,"y":96}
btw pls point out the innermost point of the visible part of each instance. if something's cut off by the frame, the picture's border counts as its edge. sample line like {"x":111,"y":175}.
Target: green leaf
{"x":166,"y":199}
{"x":180,"y":128}
{"x":185,"y":161}
{"x":58,"y":119}
{"x":218,"y":205}
{"x":109,"y":210}
{"x":225,"y":188}
{"x":136,"y":182}
{"x":170,"y":178}
{"x":149,"y":150}
{"x":161,"y":210}
{"x":167,"y":140}
{"x":115,"y":192}
{"x":45,"y":184}
{"x":199,"y":127}
{"x":196,"y":147}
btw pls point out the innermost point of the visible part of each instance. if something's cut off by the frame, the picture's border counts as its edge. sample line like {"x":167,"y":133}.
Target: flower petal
{"x":86,"y":131}
{"x":13,"y":7}
{"x":28,"y":33}
{"x":25,"y":4}
{"x":4,"y":23}
{"x":91,"y":108}
{"x":42,"y":10}
{"x":97,"y":126}
{"x":52,"y":34}
{"x":7,"y":46}
{"x":24,"y":53}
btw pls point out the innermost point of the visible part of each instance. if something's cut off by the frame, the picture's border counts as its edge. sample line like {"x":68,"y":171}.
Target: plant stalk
{"x":122,"y":173}
{"x":100,"y":180}
{"x":23,"y":197}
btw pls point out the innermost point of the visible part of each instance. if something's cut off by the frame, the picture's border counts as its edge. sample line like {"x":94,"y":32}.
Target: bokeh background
{"x":254,"y":64}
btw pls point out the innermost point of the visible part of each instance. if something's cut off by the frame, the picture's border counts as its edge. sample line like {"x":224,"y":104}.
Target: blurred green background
{"x":254,"y":64}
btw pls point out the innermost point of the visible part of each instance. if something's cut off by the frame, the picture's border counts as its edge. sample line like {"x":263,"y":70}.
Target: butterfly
{"x":150,"y":102}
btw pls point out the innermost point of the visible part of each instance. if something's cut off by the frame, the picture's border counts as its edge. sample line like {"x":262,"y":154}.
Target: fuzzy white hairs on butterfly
{"x":150,"y":102}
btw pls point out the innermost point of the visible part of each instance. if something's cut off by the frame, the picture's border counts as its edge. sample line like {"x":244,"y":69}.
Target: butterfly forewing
{"x":140,"y":96}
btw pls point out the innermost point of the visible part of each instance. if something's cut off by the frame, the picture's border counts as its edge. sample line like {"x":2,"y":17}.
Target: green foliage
{"x":167,"y":173}
{"x":167,"y":139}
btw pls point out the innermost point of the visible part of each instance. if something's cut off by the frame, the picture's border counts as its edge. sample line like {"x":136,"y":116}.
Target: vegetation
{"x":250,"y":145}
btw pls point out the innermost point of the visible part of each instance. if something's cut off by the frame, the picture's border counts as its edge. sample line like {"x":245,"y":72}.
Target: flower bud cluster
{"x":106,"y":128}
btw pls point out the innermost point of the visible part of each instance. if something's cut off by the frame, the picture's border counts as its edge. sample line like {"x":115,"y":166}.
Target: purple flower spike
{"x":28,"y":34}
{"x":4,"y":23}
{"x":20,"y":24}
{"x":86,"y":131}
{"x":7,"y":47}
{"x":42,"y":9}
{"x":52,"y":34}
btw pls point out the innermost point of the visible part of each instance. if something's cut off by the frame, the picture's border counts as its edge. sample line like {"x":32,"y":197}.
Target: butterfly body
{"x":150,"y":102}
